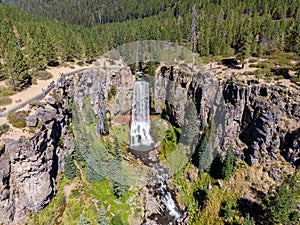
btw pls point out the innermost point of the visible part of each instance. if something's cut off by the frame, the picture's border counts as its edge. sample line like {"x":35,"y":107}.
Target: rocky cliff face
{"x":29,"y":166}
{"x":266,"y":119}
{"x":260,"y":121}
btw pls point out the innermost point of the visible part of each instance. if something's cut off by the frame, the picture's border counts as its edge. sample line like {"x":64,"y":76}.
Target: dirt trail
{"x":67,"y":191}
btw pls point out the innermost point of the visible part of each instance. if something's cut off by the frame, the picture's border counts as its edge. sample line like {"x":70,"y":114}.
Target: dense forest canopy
{"x":91,"y":12}
{"x":227,"y":28}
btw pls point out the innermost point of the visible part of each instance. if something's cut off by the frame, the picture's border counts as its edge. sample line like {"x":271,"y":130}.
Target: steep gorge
{"x":261,"y":123}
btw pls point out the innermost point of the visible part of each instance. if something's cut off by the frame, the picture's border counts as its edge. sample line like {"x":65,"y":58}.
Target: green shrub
{"x":5,"y":101}
{"x":255,"y":72}
{"x":253,"y":65}
{"x":34,"y":81}
{"x":4,"y":128}
{"x":4,"y":91}
{"x":36,"y":103}
{"x":116,"y":220}
{"x":168,"y":144}
{"x":113,"y":90}
{"x":42,"y":75}
{"x":253,"y":60}
{"x":295,"y":80}
{"x":269,"y":74}
{"x":17,"y":119}
{"x":280,"y":77}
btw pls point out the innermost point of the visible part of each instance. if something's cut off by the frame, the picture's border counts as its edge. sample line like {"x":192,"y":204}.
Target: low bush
{"x":252,"y":60}
{"x":280,"y":77}
{"x":5,"y":91}
{"x":4,"y":128}
{"x":295,"y":80}
{"x":255,"y":72}
{"x":18,"y":119}
{"x":5,"y":101}
{"x":42,"y":75}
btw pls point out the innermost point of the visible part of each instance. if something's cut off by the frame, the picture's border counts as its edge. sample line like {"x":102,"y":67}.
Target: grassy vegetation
{"x":122,"y":131}
{"x":49,"y":214}
{"x":18,"y":119}
{"x":41,"y":74}
{"x":4,"y":93}
{"x":5,"y":101}
{"x":211,"y":201}
{"x":158,"y":128}
{"x":81,"y":201}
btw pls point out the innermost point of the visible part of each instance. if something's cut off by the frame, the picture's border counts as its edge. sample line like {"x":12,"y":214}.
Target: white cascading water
{"x":140,"y":139}
{"x":167,"y":199}
{"x":140,"y":119}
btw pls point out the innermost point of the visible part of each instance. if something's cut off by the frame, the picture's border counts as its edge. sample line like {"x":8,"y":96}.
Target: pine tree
{"x":117,"y":152}
{"x":243,"y":50}
{"x":102,"y":220}
{"x":70,"y":170}
{"x":15,"y":67}
{"x":105,"y":125}
{"x":228,"y":212}
{"x":228,"y":165}
{"x":83,"y":220}
{"x":205,"y":156}
{"x":281,"y":205}
{"x":190,"y":129}
{"x":249,"y":220}
{"x":36,"y":57}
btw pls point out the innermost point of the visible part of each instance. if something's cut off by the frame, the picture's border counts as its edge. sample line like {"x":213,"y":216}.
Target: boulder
{"x":31,"y":121}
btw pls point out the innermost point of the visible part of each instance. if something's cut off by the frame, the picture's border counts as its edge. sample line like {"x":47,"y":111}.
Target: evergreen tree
{"x":113,"y":90}
{"x":249,"y":220}
{"x":169,"y":142}
{"x":36,"y":57}
{"x":105,"y":124}
{"x":79,"y":149}
{"x":243,"y":47}
{"x":70,"y":170}
{"x":116,"y":174}
{"x":228,"y":212}
{"x":117,"y":152}
{"x":95,"y":167}
{"x":228,"y":164}
{"x":83,"y":220}
{"x":205,"y":156}
{"x":102,"y":220}
{"x":280,"y":206}
{"x":190,"y":128}
{"x":15,"y":67}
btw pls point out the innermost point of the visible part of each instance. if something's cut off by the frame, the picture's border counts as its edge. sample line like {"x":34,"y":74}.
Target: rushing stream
{"x":141,"y":140}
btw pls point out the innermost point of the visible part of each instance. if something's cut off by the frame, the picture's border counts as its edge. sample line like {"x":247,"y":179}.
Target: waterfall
{"x":167,"y":199}
{"x":140,"y":137}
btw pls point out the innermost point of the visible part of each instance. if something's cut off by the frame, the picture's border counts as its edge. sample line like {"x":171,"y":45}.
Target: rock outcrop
{"x":260,"y":121}
{"x":29,"y":166}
